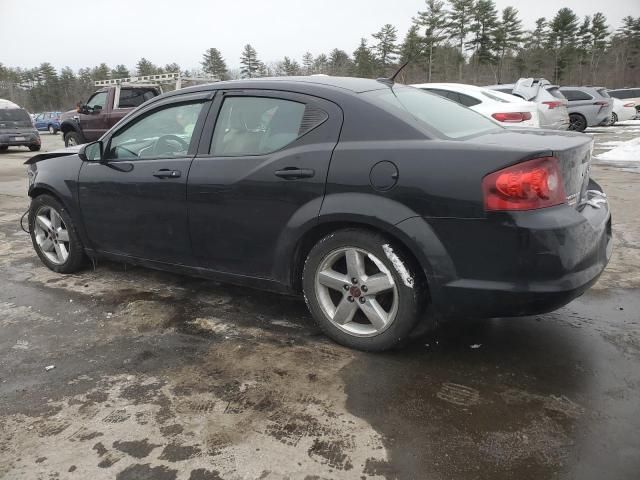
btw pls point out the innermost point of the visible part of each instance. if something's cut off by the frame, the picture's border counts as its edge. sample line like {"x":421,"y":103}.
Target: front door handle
{"x":166,"y":173}
{"x":293,"y":173}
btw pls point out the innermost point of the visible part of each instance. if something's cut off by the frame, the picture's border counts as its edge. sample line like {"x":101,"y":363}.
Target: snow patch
{"x":407,"y":279}
{"x":627,"y":151}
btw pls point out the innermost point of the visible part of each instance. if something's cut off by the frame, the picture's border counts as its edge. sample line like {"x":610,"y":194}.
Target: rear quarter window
{"x":556,"y":93}
{"x":603,"y":92}
{"x":574,"y":95}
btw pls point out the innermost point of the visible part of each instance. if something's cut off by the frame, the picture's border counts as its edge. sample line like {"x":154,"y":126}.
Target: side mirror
{"x":95,"y":109}
{"x":91,"y":152}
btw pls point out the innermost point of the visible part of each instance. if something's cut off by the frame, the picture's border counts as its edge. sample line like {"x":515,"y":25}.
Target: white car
{"x":622,"y":110}
{"x":507,"y":110}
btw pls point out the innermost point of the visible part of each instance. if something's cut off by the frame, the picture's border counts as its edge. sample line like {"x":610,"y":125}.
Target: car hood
{"x":56,"y":153}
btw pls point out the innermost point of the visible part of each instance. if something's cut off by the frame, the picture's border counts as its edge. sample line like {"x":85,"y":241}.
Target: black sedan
{"x":373,"y":199}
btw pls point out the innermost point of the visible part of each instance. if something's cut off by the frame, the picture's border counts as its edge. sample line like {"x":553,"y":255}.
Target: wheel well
{"x":310,"y":238}
{"x":36,"y":192}
{"x":65,"y":128}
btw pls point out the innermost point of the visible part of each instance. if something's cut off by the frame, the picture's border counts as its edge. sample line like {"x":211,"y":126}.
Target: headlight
{"x":31,"y":174}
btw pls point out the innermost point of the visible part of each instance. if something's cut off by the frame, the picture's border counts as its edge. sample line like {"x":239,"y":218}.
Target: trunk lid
{"x":573,"y":151}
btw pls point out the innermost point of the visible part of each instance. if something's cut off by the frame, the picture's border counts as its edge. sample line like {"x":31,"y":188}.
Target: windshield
{"x":437,"y":113}
{"x":14,"y":117}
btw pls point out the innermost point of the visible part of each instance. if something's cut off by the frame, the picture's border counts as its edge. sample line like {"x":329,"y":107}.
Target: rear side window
{"x":468,"y":100}
{"x":457,"y":97}
{"x":134,"y":97}
{"x":603,"y":92}
{"x":258,"y":125}
{"x":573,"y":95}
{"x":432,"y":111}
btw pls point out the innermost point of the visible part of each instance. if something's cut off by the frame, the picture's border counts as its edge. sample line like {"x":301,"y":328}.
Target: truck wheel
{"x":72,"y":139}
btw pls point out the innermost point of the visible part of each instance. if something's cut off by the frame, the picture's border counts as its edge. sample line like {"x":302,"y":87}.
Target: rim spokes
{"x":51,"y":235}
{"x":332,"y":279}
{"x":345,"y":311}
{"x":43,"y":222}
{"x":355,"y":263}
{"x":375,"y":313}
{"x":378,"y":283}
{"x":368,"y":298}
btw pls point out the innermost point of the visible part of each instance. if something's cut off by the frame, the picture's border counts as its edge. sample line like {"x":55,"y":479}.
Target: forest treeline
{"x":468,"y":41}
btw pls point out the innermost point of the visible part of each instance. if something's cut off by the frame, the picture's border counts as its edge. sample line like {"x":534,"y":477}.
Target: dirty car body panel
{"x":366,"y":159}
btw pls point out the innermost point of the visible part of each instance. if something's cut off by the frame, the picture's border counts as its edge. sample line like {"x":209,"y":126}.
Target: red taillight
{"x":553,"y":104}
{"x":525,"y":186}
{"x":631,"y":104}
{"x":512,"y":117}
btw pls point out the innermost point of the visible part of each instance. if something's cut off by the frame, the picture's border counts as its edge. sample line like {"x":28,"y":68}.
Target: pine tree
{"x":483,"y":26}
{"x":101,"y":72}
{"x":599,"y":34}
{"x":458,"y":26}
{"x":251,"y":66}
{"x":321,"y":64}
{"x":386,"y":50}
{"x":364,"y":64}
{"x":434,"y":21}
{"x":339,"y":62}
{"x":213,"y":64}
{"x":120,"y":72}
{"x":507,"y":36}
{"x":145,"y":67}
{"x":172,"y":68}
{"x":307,"y":63}
{"x":289,"y":67}
{"x":562,"y":39}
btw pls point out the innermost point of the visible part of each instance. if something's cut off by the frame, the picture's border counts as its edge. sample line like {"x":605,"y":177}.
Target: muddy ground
{"x":159,"y":376}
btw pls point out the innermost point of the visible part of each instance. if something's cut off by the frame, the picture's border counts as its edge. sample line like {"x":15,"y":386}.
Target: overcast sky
{"x":80,"y":33}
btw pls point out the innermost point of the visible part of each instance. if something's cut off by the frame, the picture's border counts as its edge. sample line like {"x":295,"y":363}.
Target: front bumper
{"x":521,"y":263}
{"x":19,"y":139}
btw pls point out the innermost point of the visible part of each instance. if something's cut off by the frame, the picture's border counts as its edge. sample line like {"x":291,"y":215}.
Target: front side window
{"x":436,"y":113}
{"x":256,"y":126}
{"x":164,"y":133}
{"x":98,"y":101}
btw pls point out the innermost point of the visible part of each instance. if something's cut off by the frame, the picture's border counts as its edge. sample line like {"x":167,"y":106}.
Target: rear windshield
{"x":437,"y":113}
{"x":14,"y":117}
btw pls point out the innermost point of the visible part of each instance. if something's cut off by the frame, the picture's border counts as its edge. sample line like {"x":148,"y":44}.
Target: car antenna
{"x":391,"y":80}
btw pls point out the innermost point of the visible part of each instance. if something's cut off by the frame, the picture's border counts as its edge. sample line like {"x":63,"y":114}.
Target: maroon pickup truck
{"x":102,"y":111}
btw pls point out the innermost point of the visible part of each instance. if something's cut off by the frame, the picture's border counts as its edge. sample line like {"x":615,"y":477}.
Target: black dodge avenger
{"x":373,"y":199}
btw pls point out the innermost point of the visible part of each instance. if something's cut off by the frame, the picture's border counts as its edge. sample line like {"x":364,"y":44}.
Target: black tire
{"x":577,"y":122}
{"x":77,"y":258}
{"x":73,"y":138}
{"x":614,"y":118}
{"x":52,"y":130}
{"x":410,"y":289}
{"x":4,"y":148}
{"x":34,"y":148}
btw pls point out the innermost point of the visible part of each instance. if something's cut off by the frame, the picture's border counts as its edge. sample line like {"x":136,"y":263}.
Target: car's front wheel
{"x":54,"y":235}
{"x":362,"y":290}
{"x":72,"y":139}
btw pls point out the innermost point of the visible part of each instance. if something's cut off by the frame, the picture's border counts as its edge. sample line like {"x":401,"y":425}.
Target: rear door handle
{"x":292,"y":173}
{"x":166,"y":173}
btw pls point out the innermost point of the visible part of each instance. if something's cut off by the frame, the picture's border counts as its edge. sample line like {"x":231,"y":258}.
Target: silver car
{"x":552,"y":106}
{"x":588,"y":107}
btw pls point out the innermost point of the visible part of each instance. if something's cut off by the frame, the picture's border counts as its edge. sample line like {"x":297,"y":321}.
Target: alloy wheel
{"x":71,"y":141}
{"x":51,"y":235}
{"x":356,"y":292}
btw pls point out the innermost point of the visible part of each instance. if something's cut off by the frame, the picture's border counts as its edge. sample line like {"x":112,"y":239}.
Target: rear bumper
{"x":28,"y":139}
{"x":520,"y":263}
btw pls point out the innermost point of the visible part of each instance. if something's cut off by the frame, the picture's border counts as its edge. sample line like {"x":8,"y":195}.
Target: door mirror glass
{"x":91,"y":152}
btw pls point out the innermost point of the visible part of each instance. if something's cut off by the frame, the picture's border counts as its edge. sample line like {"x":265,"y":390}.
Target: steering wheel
{"x":164,"y":145}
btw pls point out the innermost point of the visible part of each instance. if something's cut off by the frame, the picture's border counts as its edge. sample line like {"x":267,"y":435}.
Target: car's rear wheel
{"x":34,"y":148}
{"x":4,"y":148}
{"x":577,"y":122}
{"x":54,"y":235}
{"x":72,"y":139}
{"x":52,"y":130}
{"x":362,"y":290}
{"x":614,"y":118}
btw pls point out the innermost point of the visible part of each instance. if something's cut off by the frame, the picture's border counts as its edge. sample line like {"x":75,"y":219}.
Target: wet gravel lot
{"x":159,"y":376}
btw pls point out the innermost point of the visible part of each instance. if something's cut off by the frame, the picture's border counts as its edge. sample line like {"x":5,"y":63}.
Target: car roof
{"x":349,"y":84}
